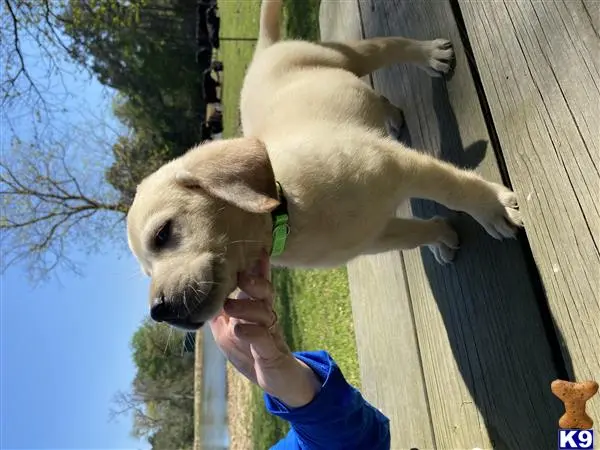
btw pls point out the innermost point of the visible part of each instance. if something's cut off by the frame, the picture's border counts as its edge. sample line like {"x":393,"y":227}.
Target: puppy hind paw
{"x":445,"y":248}
{"x":442,"y":253}
{"x":396,"y":128}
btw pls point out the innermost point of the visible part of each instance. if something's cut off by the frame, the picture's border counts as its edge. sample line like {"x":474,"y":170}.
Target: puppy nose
{"x":159,"y":310}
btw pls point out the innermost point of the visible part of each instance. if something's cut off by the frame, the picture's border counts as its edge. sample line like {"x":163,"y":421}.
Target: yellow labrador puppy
{"x":315,"y":179}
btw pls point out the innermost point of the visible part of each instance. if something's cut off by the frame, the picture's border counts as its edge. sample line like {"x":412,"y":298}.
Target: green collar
{"x":281,"y":228}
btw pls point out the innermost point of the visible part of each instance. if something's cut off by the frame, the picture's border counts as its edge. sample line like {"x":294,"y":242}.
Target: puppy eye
{"x":163,"y":235}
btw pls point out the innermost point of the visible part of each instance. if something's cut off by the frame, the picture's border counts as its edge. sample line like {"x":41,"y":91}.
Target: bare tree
{"x":52,"y":203}
{"x":152,"y":403}
{"x":144,"y":418}
{"x":33,"y":50}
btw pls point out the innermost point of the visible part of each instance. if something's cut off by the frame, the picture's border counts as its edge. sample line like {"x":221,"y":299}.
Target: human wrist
{"x":299,"y":384}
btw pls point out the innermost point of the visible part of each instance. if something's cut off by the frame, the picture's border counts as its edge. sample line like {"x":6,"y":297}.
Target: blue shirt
{"x":337,"y":418}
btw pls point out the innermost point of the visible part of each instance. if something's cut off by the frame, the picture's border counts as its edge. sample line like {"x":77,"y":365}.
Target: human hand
{"x":248,"y":333}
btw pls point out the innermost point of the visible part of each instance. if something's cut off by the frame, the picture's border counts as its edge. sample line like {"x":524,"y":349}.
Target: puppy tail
{"x":269,"y":30}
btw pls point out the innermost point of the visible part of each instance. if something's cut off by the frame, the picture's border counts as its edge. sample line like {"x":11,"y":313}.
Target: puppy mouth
{"x":196,"y":302}
{"x":190,"y":309}
{"x":186,"y":324}
{"x":196,"y":307}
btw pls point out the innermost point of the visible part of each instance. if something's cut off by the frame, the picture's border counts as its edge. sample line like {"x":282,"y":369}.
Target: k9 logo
{"x":575,"y":439}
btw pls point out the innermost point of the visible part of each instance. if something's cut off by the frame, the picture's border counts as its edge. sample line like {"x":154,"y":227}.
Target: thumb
{"x":262,"y":341}
{"x":264,"y":266}
{"x":261,"y":267}
{"x":218,"y":324}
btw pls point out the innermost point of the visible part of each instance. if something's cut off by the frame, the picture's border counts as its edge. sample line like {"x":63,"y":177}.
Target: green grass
{"x":239,"y":20}
{"x":315,"y":313}
{"x":313,"y":305}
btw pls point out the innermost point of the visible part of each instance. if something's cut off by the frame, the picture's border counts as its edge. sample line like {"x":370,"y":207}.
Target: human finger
{"x":264,"y":265}
{"x":219,"y":323}
{"x":255,"y":287}
{"x":262,"y":341}
{"x":254,"y":311}
{"x":221,"y":327}
{"x":261,"y":267}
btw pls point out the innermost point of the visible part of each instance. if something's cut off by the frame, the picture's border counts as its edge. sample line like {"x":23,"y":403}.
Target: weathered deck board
{"x":480,"y":344}
{"x":485,"y":354}
{"x":540,"y":67}
{"x":385,"y":331}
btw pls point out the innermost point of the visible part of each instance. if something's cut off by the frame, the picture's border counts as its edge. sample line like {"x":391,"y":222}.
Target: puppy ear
{"x":237,"y":171}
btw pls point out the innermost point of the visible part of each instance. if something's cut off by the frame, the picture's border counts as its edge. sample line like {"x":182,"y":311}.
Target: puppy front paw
{"x":500,"y":215}
{"x":439,"y":57}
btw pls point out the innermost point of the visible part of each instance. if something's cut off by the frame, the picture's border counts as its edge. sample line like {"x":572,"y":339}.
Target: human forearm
{"x":295,"y":384}
{"x":337,"y":417}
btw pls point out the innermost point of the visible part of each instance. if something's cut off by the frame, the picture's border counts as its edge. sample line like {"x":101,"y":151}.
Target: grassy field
{"x":315,"y":313}
{"x":239,"y":28}
{"x":313,"y":305}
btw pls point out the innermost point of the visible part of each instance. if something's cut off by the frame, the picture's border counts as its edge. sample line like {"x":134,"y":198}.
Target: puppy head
{"x":198,"y":221}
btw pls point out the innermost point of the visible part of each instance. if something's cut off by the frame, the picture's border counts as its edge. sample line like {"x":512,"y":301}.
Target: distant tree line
{"x":161,"y":398}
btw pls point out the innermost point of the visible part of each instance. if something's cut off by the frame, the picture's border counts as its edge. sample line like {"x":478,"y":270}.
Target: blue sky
{"x":65,"y":352}
{"x":65,"y":345}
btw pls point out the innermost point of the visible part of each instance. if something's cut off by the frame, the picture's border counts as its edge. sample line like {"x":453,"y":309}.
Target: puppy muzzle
{"x":186,"y":310}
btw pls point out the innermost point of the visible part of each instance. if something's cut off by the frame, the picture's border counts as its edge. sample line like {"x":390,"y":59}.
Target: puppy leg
{"x":366,"y":56}
{"x":395,"y":118}
{"x":493,"y":205}
{"x":406,"y":234}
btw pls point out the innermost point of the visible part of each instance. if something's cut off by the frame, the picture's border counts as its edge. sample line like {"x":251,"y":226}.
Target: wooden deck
{"x":462,"y":357}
